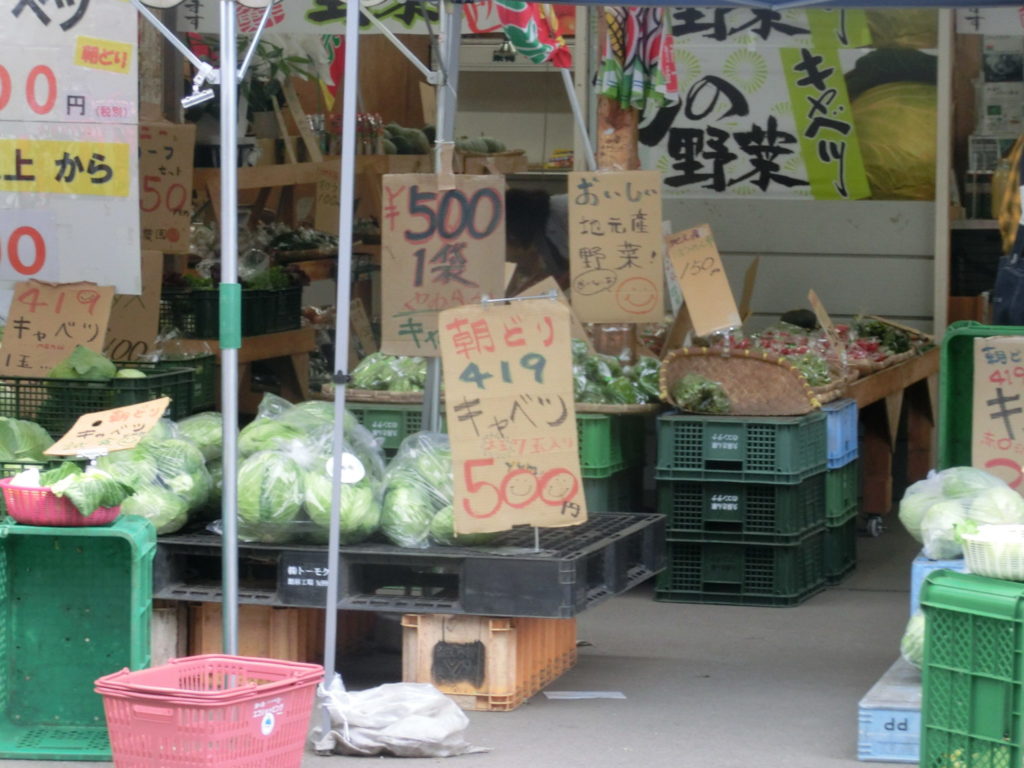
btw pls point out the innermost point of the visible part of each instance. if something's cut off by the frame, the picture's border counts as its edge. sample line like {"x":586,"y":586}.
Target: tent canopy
{"x":839,"y":4}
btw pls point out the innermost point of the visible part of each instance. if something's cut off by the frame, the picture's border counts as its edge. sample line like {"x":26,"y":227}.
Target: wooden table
{"x":880,"y":398}
{"x":286,"y":353}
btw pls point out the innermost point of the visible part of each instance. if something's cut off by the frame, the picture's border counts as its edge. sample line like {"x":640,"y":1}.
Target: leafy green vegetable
{"x":698,"y":394}
{"x":813,"y":367}
{"x":134,"y":467}
{"x":912,"y":644}
{"x":406,"y":515}
{"x":206,"y":430}
{"x":62,"y":470}
{"x":166,"y":511}
{"x":359,"y":511}
{"x":623,"y":391}
{"x":24,"y":440}
{"x":417,"y":484}
{"x":270,"y":495}
{"x":89,"y":491}
{"x":442,"y":531}
{"x":264,"y":435}
{"x":130,"y":373}
{"x":83,"y":363}
{"x":182,"y":470}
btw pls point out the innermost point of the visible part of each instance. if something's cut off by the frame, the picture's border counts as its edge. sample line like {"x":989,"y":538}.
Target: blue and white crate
{"x":841,"y":427}
{"x":919,"y":571}
{"x":889,"y":717}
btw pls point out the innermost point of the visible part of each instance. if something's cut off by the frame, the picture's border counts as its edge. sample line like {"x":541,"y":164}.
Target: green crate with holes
{"x":972,"y":703}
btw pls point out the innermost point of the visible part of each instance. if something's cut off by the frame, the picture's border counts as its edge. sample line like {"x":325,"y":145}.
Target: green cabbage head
{"x":359,"y":512}
{"x":269,"y":495}
{"x":912,"y":644}
{"x":165,"y":510}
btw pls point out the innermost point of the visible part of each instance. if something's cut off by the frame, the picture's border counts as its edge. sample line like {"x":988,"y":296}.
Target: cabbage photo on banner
{"x":823,"y":104}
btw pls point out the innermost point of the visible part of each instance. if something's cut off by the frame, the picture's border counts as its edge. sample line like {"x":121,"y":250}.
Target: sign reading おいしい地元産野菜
{"x":441,"y":248}
{"x":511,"y":416}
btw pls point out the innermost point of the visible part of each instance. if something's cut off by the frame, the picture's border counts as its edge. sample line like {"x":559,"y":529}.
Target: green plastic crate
{"x":743,"y":574}
{"x":753,"y":513}
{"x":782,"y":450}
{"x":841,"y":548}
{"x":204,"y":377}
{"x":56,"y":404}
{"x":633,"y":433}
{"x":75,"y":604}
{"x":956,"y":388}
{"x":842,"y":492}
{"x":390,"y":423}
{"x":616,"y":493}
{"x":972,"y":679}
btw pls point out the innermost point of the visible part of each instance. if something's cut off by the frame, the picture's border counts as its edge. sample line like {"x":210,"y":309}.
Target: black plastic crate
{"x":287,"y":309}
{"x":576,"y":568}
{"x":56,"y":404}
{"x":195,"y":313}
{"x":743,"y":574}
{"x":754,"y":513}
{"x":841,"y":548}
{"x":204,"y":378}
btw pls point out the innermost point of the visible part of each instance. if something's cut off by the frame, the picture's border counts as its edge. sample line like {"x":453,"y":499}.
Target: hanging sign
{"x":46,"y":321}
{"x":698,"y":268}
{"x":511,"y":416}
{"x":165,"y":185}
{"x":615,"y":246}
{"x":112,"y":430}
{"x":440,"y":249}
{"x":997,"y":428}
{"x":135,"y":320}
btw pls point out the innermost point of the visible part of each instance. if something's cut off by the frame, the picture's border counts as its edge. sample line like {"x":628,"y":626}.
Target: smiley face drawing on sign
{"x":637,"y":295}
{"x":520,"y":488}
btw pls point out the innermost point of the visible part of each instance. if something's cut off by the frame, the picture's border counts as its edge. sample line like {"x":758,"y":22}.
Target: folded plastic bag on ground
{"x":399,"y":719}
{"x":939,"y":508}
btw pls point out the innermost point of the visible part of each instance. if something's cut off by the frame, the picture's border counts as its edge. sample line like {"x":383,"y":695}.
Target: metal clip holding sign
{"x":553,"y":296}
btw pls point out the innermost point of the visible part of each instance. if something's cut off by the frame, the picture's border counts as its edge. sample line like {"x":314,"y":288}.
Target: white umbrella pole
{"x":447,"y":104}
{"x":230,"y":317}
{"x":341,"y":334}
{"x":581,"y":124}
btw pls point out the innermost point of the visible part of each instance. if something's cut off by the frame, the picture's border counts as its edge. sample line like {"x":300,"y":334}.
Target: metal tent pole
{"x":342,"y":301}
{"x":447,"y":103}
{"x":230,"y":318}
{"x":581,"y":123}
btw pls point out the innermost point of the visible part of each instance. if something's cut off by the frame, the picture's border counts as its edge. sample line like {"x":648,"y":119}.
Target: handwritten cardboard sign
{"x":165,"y":185}
{"x":46,"y":321}
{"x":135,"y":320}
{"x":511,"y":416}
{"x":112,"y":430}
{"x":359,"y":321}
{"x":616,"y":247}
{"x":699,"y":270}
{"x":549,"y":284}
{"x":824,"y":320}
{"x":997,"y":425}
{"x":441,"y":249}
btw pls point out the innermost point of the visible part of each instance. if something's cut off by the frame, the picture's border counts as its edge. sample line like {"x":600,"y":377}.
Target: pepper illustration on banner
{"x":511,"y":416}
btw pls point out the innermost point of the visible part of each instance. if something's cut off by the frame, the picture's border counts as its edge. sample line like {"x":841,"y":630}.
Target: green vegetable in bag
{"x":359,"y":510}
{"x":698,"y":394}
{"x":270,"y":495}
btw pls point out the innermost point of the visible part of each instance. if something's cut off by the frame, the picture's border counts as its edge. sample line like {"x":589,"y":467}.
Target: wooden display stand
{"x":880,"y":398}
{"x":287,"y":353}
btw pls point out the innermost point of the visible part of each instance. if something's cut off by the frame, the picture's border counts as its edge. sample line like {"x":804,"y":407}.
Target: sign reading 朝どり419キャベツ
{"x":441,"y":248}
{"x":997,"y":428}
{"x":511,"y":416}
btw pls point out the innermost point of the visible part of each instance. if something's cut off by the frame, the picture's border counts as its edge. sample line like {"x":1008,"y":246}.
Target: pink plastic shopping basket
{"x":41,"y":506}
{"x":212,"y":710}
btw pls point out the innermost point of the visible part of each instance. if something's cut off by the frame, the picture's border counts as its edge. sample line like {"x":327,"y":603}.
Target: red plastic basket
{"x":212,"y":710}
{"x":40,"y":506}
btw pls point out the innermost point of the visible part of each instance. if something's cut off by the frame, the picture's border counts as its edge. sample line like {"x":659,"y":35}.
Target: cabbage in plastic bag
{"x":417,"y":485}
{"x":270,"y":495}
{"x":912,"y":644}
{"x":167,"y":511}
{"x":206,"y":430}
{"x":359,"y":510}
{"x":938,"y":528}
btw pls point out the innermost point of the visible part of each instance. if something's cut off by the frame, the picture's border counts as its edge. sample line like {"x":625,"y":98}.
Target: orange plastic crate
{"x":483,"y":662}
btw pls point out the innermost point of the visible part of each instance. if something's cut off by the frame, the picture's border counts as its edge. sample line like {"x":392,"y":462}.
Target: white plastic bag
{"x":400,"y":719}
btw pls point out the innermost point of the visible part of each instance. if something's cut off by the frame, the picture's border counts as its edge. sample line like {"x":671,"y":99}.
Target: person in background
{"x":537,"y":238}
{"x":1008,"y":292}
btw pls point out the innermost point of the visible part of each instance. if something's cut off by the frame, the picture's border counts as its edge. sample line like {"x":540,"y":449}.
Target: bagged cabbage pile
{"x":604,"y":379}
{"x":285,"y":477}
{"x":946,"y":504}
{"x":391,"y":373}
{"x":418,"y":495}
{"x":168,"y":477}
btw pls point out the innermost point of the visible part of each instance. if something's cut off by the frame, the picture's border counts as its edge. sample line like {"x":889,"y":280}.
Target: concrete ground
{"x":705,"y":685}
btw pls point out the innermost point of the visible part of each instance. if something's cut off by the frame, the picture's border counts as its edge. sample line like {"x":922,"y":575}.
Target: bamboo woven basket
{"x":757,"y":383}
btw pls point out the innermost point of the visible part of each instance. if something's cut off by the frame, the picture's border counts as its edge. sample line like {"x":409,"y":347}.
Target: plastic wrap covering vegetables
{"x":938,"y":509}
{"x":417,"y":508}
{"x":391,"y":373}
{"x":168,"y":477}
{"x":698,"y":394}
{"x":599,"y":378}
{"x":912,"y":644}
{"x":206,"y":430}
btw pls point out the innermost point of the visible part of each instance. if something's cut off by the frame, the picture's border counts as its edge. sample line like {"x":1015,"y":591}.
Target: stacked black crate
{"x":842,"y":490}
{"x":745,"y":506}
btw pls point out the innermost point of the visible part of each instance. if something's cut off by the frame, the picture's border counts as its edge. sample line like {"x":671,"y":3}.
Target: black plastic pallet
{"x":574,"y":569}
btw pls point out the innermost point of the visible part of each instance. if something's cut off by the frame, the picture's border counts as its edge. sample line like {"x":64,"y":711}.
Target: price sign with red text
{"x":69,"y":62}
{"x":46,"y":321}
{"x":440,"y":249}
{"x":997,"y":429}
{"x":165,"y":185}
{"x":112,"y":430}
{"x":28,"y":245}
{"x":511,"y":416}
{"x":616,"y":247}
